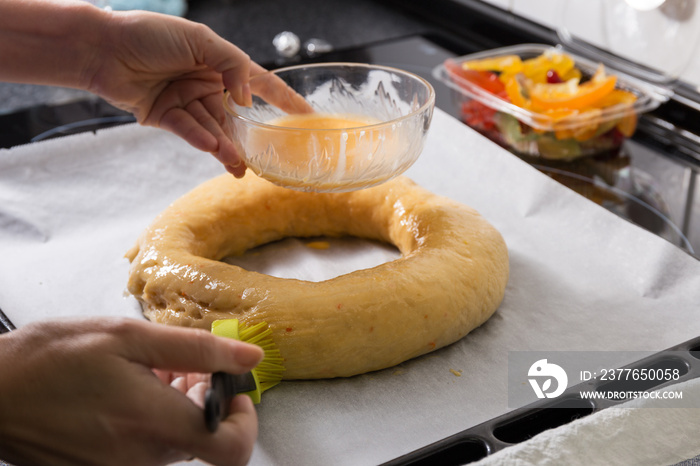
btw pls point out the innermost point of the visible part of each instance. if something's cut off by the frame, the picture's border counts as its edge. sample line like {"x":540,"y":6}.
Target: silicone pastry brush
{"x":225,"y":386}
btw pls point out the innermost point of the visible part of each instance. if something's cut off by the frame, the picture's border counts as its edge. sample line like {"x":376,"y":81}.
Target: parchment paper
{"x":581,"y":279}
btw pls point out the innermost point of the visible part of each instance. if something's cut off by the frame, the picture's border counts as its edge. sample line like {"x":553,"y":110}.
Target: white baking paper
{"x":581,"y":279}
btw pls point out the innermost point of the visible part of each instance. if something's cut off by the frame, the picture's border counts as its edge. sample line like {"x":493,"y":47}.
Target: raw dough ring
{"x":450,"y":279}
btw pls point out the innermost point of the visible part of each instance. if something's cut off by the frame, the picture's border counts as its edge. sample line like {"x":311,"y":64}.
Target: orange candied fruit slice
{"x":571,"y":94}
{"x":592,"y":119}
{"x":617,"y":97}
{"x":514,"y":91}
{"x":628,"y":122}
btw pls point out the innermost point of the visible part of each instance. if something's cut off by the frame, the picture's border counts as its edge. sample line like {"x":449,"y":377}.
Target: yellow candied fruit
{"x":506,"y":64}
{"x":536,"y":68}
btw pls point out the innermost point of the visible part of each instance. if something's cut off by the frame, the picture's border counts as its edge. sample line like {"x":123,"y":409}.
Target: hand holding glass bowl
{"x":332,"y":127}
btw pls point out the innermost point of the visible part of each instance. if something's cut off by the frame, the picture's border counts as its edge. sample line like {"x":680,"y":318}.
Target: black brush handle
{"x":6,"y":324}
{"x":217,"y":398}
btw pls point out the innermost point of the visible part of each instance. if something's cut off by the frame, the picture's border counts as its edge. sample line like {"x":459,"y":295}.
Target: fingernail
{"x":237,"y":170}
{"x":179,"y":383}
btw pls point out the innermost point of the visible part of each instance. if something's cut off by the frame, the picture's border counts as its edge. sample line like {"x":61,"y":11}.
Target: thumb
{"x":186,"y":350}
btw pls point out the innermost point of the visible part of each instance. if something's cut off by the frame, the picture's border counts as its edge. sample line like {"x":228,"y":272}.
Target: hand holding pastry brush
{"x":225,"y":386}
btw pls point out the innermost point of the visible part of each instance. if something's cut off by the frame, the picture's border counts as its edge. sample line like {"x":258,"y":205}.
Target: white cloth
{"x":640,"y":432}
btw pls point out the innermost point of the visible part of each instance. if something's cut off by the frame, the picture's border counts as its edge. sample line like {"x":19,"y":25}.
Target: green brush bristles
{"x":269,"y":372}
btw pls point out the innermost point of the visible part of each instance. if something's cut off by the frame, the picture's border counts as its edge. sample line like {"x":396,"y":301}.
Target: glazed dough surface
{"x":450,"y":279}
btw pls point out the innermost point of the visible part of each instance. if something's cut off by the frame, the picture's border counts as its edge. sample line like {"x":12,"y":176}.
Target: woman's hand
{"x":85,"y":392}
{"x":168,"y":71}
{"x":171,"y":73}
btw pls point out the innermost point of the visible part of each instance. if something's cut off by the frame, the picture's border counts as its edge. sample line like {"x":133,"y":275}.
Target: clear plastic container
{"x":559,"y":134}
{"x":332,"y":127}
{"x":646,"y":44}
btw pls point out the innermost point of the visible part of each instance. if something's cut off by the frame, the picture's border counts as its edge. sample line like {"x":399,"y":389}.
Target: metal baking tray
{"x":524,"y":423}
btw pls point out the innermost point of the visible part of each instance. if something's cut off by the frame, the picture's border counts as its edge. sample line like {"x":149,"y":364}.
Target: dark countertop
{"x":252,"y":24}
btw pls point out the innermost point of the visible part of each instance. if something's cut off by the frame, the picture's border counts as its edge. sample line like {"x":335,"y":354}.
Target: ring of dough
{"x":450,"y":278}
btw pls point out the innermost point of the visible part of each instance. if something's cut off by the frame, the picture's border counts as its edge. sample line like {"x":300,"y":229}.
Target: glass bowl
{"x":332,"y":127}
{"x":486,"y":99}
